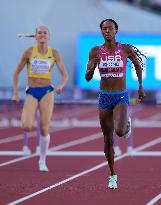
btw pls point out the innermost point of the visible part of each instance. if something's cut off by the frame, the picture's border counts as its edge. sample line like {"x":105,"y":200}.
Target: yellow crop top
{"x":39,"y":65}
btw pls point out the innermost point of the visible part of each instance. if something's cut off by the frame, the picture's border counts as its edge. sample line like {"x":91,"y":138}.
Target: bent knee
{"x":27,"y":127}
{"x":120,"y":131}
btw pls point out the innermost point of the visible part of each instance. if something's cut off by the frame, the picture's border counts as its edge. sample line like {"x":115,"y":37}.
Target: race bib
{"x":111,"y":66}
{"x":112,"y":75}
{"x":111,"y":62}
{"x":40,"y":66}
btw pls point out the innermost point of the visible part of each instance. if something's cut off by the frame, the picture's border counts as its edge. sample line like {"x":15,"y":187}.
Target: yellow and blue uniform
{"x":40,"y":66}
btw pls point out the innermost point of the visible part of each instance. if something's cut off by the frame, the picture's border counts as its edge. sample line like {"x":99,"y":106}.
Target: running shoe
{"x":112,"y":183}
{"x":117,"y":151}
{"x":127,"y":135}
{"x":43,"y":167}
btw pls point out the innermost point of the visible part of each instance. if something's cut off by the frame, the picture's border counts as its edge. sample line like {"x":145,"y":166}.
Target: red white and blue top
{"x":113,"y":63}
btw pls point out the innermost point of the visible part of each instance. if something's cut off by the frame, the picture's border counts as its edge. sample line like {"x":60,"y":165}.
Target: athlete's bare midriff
{"x":38,"y":82}
{"x":113,"y":84}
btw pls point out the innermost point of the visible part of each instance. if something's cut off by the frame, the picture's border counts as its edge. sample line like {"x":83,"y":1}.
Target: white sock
{"x":44,"y":144}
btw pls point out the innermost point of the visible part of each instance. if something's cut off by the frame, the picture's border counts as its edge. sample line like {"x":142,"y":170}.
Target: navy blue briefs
{"x":108,"y":100}
{"x":39,"y":92}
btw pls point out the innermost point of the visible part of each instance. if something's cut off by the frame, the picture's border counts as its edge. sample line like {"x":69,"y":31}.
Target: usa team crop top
{"x":112,"y":64}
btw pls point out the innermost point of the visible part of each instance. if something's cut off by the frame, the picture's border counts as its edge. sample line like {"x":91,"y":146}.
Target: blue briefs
{"x":108,"y":100}
{"x":39,"y":92}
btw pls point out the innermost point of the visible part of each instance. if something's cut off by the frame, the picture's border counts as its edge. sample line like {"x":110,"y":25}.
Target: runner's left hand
{"x":141,"y":94}
{"x":58,"y":90}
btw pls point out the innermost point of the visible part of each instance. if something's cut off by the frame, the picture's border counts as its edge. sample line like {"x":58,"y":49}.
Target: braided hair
{"x":139,"y":54}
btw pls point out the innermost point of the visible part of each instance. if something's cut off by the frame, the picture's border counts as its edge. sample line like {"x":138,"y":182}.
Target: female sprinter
{"x":111,"y":59}
{"x":39,"y":60}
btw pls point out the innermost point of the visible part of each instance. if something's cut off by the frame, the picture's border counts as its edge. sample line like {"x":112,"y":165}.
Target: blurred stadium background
{"x":74,"y":27}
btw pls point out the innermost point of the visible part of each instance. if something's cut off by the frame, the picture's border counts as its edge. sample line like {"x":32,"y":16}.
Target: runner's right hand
{"x":15,"y":97}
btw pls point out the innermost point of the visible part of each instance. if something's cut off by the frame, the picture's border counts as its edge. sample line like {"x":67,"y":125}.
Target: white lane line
{"x":136,"y":123}
{"x":20,"y":136}
{"x":148,"y":144}
{"x":80,"y":174}
{"x":59,"y":147}
{"x":78,"y":141}
{"x":146,"y":123}
{"x":13,"y":153}
{"x":154,"y":200}
{"x":64,"y":181}
{"x":148,"y":153}
{"x":16,"y":138}
{"x":16,"y":160}
{"x":77,"y":153}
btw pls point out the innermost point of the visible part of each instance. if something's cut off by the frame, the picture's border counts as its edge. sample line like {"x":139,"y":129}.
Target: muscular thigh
{"x":46,"y":108}
{"x":29,"y":109}
{"x":106,"y":119}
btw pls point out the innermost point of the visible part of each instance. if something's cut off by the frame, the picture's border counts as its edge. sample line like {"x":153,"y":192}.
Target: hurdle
{"x":25,"y":149}
{"x":70,"y":118}
{"x":8,"y":117}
